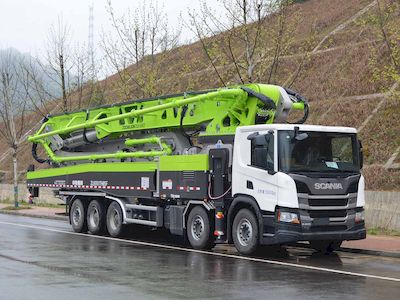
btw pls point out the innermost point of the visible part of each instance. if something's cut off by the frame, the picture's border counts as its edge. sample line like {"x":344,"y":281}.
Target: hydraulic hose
{"x":217,"y":197}
{"x":35,"y":155}
{"x":268,"y":102}
{"x":184,"y":133}
{"x":301,"y":99}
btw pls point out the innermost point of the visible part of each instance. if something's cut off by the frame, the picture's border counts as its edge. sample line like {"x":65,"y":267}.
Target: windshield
{"x":318,"y":152}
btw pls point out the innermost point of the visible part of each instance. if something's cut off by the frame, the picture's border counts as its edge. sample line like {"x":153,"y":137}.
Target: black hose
{"x":268,"y":102}
{"x":183,"y":113}
{"x":305,"y":115}
{"x":299,"y":98}
{"x":36,"y":157}
{"x":84,"y":129}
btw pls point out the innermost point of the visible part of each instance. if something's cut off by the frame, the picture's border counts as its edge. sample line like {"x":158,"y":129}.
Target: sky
{"x":24,"y":24}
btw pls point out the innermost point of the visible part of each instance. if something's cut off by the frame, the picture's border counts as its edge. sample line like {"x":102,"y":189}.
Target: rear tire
{"x":325,"y":247}
{"x":198,"y":229}
{"x":114,"y":219}
{"x":96,"y":217}
{"x":77,"y":216}
{"x":245,"y":232}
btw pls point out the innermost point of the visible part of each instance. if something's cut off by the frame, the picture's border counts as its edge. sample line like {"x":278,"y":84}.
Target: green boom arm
{"x":221,"y":110}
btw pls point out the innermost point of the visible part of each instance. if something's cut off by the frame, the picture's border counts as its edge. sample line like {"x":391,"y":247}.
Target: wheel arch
{"x":120,"y":203}
{"x":209,"y":207}
{"x":243,"y":201}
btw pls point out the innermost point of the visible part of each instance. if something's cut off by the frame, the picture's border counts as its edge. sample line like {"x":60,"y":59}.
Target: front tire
{"x":198,"y":229}
{"x":77,"y":216}
{"x":96,"y":217}
{"x":245,"y":232}
{"x":114,"y":219}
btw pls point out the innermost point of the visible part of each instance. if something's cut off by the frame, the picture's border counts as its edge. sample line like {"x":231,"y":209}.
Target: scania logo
{"x":328,"y":186}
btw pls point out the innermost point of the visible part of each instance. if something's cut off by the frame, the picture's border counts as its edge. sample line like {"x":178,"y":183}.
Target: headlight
{"x":288,"y":217}
{"x":360,"y":216}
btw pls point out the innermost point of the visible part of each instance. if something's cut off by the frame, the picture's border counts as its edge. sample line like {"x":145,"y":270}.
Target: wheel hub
{"x":94,"y":217}
{"x":76,"y":216}
{"x":245,"y":232}
{"x":197,"y":227}
{"x":115,"y":220}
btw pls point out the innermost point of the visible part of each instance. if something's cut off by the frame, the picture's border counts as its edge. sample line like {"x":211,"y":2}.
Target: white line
{"x":268,"y":261}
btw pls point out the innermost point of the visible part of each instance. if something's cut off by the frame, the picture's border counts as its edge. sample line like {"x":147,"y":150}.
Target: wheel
{"x":325,"y":246}
{"x":77,"y":216}
{"x":114,"y":219}
{"x":198,"y":229}
{"x":96,"y":217}
{"x":245,"y":232}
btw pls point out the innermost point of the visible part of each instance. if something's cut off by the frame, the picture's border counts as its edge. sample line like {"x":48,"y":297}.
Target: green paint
{"x":106,"y":120}
{"x":135,"y":142}
{"x":298,"y":106}
{"x":94,"y":167}
{"x":165,"y":150}
{"x":197,"y":162}
{"x":222,"y":110}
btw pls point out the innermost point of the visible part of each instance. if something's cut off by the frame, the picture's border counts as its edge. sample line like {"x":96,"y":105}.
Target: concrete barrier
{"x":382,"y":209}
{"x":46,"y":195}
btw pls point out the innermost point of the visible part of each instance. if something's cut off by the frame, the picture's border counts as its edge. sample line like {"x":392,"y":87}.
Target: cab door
{"x":254,"y":171}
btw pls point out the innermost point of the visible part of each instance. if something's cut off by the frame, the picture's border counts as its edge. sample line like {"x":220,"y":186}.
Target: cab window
{"x":262,"y":152}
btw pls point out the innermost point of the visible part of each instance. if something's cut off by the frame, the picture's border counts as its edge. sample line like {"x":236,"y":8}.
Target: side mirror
{"x":270,"y":170}
{"x":259,"y":140}
{"x":301,"y":136}
{"x":360,"y":154}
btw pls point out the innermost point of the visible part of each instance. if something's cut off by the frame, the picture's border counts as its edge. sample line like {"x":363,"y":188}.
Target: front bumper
{"x":308,"y":230}
{"x":287,"y":234}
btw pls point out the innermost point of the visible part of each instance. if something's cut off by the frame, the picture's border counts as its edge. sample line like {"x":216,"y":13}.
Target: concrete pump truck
{"x":214,"y":166}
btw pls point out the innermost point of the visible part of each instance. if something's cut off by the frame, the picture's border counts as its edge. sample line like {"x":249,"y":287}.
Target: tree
{"x":58,"y":63}
{"x":143,"y":39}
{"x":13,"y":109}
{"x":32,"y":80}
{"x":383,"y":21}
{"x":236,"y":38}
{"x":82,"y":73}
{"x":63,"y":73}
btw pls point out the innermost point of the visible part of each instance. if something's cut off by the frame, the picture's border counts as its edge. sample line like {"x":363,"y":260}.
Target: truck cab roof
{"x":302,"y":127}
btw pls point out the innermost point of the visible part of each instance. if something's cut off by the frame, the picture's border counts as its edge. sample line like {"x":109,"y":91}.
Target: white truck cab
{"x":304,"y":180}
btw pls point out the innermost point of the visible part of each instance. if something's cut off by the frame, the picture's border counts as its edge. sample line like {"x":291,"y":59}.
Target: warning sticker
{"x":145,"y":183}
{"x":167,"y":184}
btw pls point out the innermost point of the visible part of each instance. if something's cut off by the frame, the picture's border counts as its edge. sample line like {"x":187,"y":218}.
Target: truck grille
{"x":327,"y":213}
{"x":322,"y":213}
{"x":327,"y":202}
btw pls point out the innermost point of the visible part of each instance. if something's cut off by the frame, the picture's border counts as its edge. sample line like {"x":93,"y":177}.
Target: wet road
{"x":43,"y":259}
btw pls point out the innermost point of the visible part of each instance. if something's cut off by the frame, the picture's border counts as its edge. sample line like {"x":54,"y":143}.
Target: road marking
{"x":267,"y":261}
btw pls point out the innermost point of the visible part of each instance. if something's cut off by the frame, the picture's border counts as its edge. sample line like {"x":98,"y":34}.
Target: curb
{"x":371,"y":252}
{"x":358,"y":251}
{"x":60,"y":218}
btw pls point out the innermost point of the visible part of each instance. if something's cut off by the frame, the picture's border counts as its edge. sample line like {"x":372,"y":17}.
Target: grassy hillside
{"x":336,"y":77}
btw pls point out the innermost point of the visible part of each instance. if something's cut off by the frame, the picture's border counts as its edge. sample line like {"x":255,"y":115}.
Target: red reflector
{"x":218,"y":233}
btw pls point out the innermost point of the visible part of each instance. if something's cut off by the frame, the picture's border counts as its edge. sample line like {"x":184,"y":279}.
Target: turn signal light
{"x":219,"y":215}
